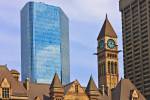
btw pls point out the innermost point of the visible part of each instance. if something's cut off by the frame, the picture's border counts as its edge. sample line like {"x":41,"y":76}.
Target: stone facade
{"x":17,"y":90}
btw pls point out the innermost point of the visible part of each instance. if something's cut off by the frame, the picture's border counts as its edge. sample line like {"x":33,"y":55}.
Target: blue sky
{"x":86,"y":18}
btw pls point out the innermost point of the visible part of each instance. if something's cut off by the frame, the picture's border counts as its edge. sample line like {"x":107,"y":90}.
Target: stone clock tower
{"x":107,"y":54}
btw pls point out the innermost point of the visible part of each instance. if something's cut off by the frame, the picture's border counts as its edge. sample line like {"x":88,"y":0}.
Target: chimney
{"x":103,"y":89}
{"x":15,"y":74}
{"x":27,"y":84}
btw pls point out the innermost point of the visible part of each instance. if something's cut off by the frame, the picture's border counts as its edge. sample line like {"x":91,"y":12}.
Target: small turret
{"x":92,"y":90}
{"x":56,"y":89}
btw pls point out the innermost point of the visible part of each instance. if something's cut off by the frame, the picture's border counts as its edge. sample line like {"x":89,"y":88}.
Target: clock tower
{"x":107,"y":54}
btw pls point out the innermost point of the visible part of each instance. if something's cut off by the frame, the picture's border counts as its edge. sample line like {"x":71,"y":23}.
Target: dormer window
{"x":5,"y":89}
{"x":76,"y":89}
{"x":5,"y":93}
{"x":134,"y":95}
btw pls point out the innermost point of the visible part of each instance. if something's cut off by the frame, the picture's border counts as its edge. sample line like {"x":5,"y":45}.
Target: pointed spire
{"x":56,"y":89}
{"x":107,"y":30}
{"x":56,"y":82}
{"x":91,"y":85}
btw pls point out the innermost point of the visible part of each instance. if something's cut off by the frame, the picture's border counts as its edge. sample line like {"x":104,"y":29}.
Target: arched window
{"x":116,"y":68}
{"x":110,"y":55}
{"x":104,"y":68}
{"x":5,"y":93}
{"x":101,"y":69}
{"x":76,"y":89}
{"x":115,"y":56}
{"x":5,"y":89}
{"x":109,"y":67}
{"x":112,"y":67}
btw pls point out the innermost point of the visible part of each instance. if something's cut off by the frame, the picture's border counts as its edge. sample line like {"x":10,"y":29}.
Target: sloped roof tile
{"x":123,"y":90}
{"x":56,"y":83}
{"x":91,"y":85}
{"x":16,"y":86}
{"x":107,"y":30}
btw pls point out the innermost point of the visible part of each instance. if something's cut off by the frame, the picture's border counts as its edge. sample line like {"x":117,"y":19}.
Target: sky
{"x":85,"y":21}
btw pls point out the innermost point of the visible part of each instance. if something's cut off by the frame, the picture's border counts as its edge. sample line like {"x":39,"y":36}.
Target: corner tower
{"x":107,"y":54}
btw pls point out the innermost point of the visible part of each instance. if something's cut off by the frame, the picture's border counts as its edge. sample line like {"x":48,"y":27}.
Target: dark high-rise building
{"x":44,"y":43}
{"x":136,"y":42}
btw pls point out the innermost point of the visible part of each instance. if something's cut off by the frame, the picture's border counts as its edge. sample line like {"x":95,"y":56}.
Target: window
{"x":104,"y":69}
{"x":76,"y":89}
{"x":58,"y":99}
{"x":116,"y":71}
{"x":109,"y":67}
{"x":134,"y":95}
{"x":112,"y":67}
{"x":134,"y":98}
{"x":5,"y":93}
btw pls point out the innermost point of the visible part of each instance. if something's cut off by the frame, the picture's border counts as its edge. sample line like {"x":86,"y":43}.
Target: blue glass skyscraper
{"x":44,"y":43}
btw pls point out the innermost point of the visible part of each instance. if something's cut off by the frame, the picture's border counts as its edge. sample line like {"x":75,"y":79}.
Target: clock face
{"x":111,"y":43}
{"x":101,"y":44}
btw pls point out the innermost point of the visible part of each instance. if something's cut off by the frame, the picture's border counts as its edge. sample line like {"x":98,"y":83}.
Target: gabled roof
{"x":107,"y":30}
{"x":16,"y":86}
{"x":91,"y":85}
{"x":123,"y":90}
{"x":70,"y":90}
{"x":67,"y":87}
{"x":70,"y":85}
{"x":56,"y":82}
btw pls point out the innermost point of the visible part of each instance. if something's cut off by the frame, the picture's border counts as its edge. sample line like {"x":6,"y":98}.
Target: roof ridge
{"x":69,"y":83}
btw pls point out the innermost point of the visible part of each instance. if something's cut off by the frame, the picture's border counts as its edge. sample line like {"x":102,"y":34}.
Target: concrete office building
{"x":136,"y":42}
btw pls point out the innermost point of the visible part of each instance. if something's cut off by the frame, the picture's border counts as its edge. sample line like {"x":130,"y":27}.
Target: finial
{"x":91,"y":77}
{"x":106,"y":16}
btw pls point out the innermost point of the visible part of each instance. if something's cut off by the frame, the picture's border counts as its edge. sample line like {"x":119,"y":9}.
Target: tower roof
{"x":107,"y":30}
{"x":56,"y":82}
{"x":91,"y":85}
